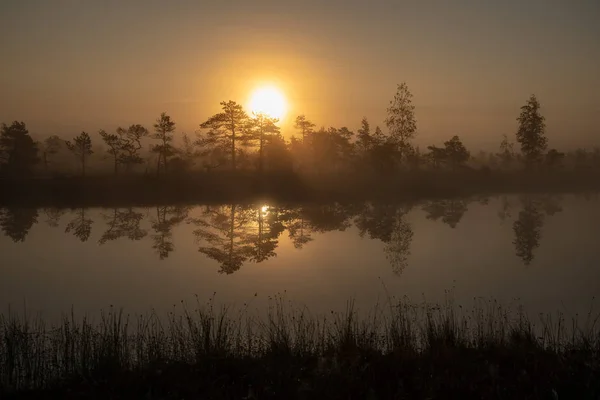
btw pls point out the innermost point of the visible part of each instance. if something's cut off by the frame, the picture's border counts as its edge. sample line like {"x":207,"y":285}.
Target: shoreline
{"x":247,"y":186}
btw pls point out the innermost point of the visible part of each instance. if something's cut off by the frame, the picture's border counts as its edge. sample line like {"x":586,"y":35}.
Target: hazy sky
{"x":72,"y":65}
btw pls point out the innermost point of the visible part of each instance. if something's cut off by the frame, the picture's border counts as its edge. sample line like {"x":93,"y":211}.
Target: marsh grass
{"x":399,"y":349}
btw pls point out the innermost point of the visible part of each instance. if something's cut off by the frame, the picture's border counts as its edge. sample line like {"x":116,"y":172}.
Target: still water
{"x":540,"y":251}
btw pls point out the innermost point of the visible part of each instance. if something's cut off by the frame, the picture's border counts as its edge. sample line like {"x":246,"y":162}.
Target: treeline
{"x":235,"y":140}
{"x":236,"y":234}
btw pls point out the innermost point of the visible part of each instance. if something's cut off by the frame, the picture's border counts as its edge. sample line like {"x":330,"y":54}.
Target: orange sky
{"x":87,"y":65}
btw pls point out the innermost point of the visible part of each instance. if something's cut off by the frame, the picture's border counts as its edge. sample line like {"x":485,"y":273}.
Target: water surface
{"x":541,"y":251}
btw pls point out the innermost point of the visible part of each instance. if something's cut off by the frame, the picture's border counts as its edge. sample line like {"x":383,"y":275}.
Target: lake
{"x":540,"y":251}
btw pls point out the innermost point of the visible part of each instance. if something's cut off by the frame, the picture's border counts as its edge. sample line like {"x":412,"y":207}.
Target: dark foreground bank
{"x":401,"y":351}
{"x":285,"y":186}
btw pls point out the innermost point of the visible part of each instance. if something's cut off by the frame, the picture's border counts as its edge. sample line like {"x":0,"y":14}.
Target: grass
{"x":400,"y":350}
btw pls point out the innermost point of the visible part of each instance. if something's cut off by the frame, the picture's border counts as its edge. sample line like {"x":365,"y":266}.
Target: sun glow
{"x":270,"y":101}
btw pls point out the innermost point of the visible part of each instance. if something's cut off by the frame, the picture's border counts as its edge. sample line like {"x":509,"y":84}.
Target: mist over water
{"x":536,"y":250}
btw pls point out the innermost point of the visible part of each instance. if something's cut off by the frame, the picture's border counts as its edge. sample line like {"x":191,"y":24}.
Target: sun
{"x":268,"y":100}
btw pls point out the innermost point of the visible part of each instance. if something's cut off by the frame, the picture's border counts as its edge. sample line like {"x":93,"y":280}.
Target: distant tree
{"x":259,"y":130}
{"x":378,"y":137}
{"x":277,"y":154}
{"x":364,"y":139}
{"x":581,"y":158}
{"x":415,"y":157}
{"x":114,"y":143}
{"x":330,"y":149}
{"x":340,"y":144}
{"x":131,"y":144}
{"x":163,"y":132}
{"x":51,"y":146}
{"x":18,"y":151}
{"x":82,"y":148}
{"x":455,"y":152}
{"x":383,"y":157}
{"x":437,"y":155}
{"x":596,"y":157}
{"x":554,"y":158}
{"x":507,"y":152}
{"x":400,"y":120}
{"x":225,"y":128}
{"x":531,"y":132}
{"x":304,"y":126}
{"x":187,"y":154}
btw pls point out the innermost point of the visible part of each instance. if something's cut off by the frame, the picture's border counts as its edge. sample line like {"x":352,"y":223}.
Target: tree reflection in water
{"x":529,"y":224}
{"x":235,"y":234}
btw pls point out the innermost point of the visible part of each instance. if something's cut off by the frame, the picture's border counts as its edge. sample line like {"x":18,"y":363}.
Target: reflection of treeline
{"x":233,"y":140}
{"x":235,"y":234}
{"x":401,"y":350}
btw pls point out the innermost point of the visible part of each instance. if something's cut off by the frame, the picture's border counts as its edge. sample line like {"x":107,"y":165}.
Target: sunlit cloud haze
{"x":72,"y":65}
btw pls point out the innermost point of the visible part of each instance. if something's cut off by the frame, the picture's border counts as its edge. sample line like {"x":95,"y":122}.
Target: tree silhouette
{"x":343,"y":140}
{"x":304,"y":126}
{"x":450,"y":211}
{"x":332,"y":149}
{"x":166,"y":219}
{"x":131,"y":144}
{"x":455,"y":152}
{"x":188,"y":153}
{"x":225,"y":128}
{"x":364,"y":141}
{"x":51,"y":146}
{"x":259,"y":130}
{"x":18,"y":151}
{"x":16,"y":222}
{"x":554,"y":158}
{"x":123,"y":223}
{"x":223,"y":232}
{"x":507,"y":152}
{"x":81,"y":226}
{"x":400,"y":120}
{"x":531,"y":132}
{"x":82,"y":148}
{"x":414,"y":157}
{"x":113,"y":141}
{"x":163,"y":132}
{"x":383,"y":153}
{"x":437,"y":156}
